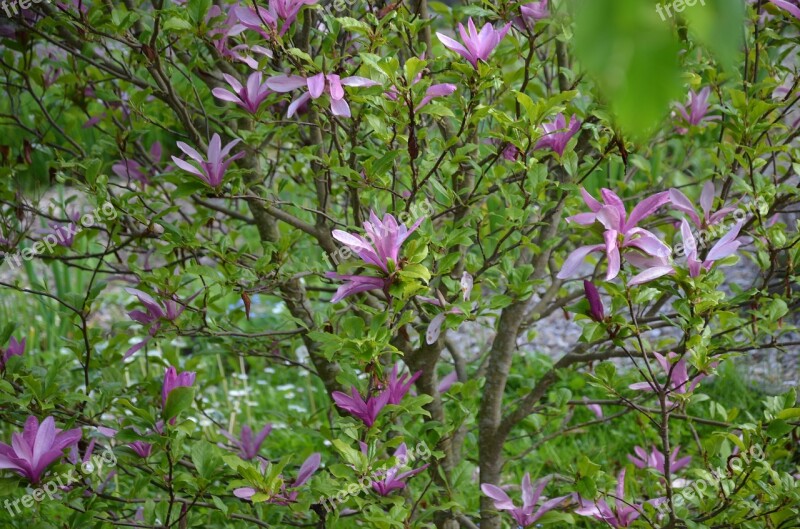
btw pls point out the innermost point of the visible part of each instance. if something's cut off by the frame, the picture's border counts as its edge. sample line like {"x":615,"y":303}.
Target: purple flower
{"x":286,"y":10}
{"x":249,"y":97}
{"x":477,"y":46}
{"x":155,"y":312}
{"x":380,"y":250}
{"x":14,"y":348}
{"x":556,"y":134}
{"x":655,"y":459}
{"x":447,"y":382}
{"x":622,"y":515}
{"x":682,"y":203}
{"x":621,"y":233}
{"x":284,"y":496}
{"x":534,"y":11}
{"x":594,"y":408}
{"x":366,"y":410}
{"x":248,"y":445}
{"x":174,"y":380}
{"x":211,"y":171}
{"x":725,"y":247}
{"x":132,"y":169}
{"x":398,"y":387}
{"x":525,"y":515}
{"x":393,"y":478}
{"x":595,"y":303}
{"x":694,"y":113}
{"x":788,"y":7}
{"x":677,"y":376}
{"x":141,"y":448}
{"x":32,"y":451}
{"x":319,"y":84}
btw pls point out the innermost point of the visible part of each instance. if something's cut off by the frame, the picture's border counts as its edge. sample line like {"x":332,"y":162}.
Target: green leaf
{"x":179,"y":399}
{"x":177,"y":24}
{"x":633,"y":56}
{"x":718,"y":25}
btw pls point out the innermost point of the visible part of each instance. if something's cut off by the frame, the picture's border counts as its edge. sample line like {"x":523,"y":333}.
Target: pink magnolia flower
{"x":477,"y":46}
{"x":447,"y":381}
{"x":38,"y":446}
{"x":285,"y":495}
{"x":277,"y":10}
{"x":787,"y":6}
{"x":594,"y":408}
{"x":677,"y":376}
{"x":682,"y":203}
{"x":694,"y":112}
{"x":319,"y":84}
{"x":174,"y":380}
{"x":621,"y":515}
{"x":621,"y":233}
{"x":556,"y":133}
{"x":531,"y":13}
{"x":141,"y":448}
{"x":433,"y":91}
{"x":725,"y":247}
{"x":379,"y":250}
{"x":14,"y":348}
{"x":222,"y":32}
{"x":525,"y":515}
{"x":248,"y":444}
{"x":210,"y":171}
{"x":398,"y":387}
{"x":655,"y":459}
{"x":393,"y":478}
{"x":155,"y":312}
{"x":366,"y":410}
{"x":249,"y":97}
{"x":434,"y":329}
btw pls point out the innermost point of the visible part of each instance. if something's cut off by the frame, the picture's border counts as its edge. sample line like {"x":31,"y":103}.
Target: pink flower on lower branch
{"x":155,"y":313}
{"x":366,"y":410}
{"x":556,"y":134}
{"x":725,"y":247}
{"x":249,"y":97}
{"x":643,"y":248}
{"x":14,"y":348}
{"x":247,"y":443}
{"x":319,"y":84}
{"x":393,"y":478}
{"x":682,"y":203}
{"x":284,"y":495}
{"x":622,"y":514}
{"x":677,"y":376}
{"x":696,"y":109}
{"x":36,"y":448}
{"x":655,"y":459}
{"x":525,"y":515}
{"x":212,"y":170}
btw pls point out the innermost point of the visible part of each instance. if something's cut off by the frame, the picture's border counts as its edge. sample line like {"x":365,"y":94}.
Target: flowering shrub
{"x":332,"y":232}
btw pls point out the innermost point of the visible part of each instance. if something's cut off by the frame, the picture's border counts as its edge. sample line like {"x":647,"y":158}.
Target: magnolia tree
{"x":283,"y":263}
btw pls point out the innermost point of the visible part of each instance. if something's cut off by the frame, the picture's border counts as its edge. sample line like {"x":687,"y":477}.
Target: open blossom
{"x":398,"y":387}
{"x":622,"y":514}
{"x":477,"y":46}
{"x":531,"y":13}
{"x":319,"y":84}
{"x":525,"y":515}
{"x":154,"y":313}
{"x":366,"y":410}
{"x":212,"y":170}
{"x":38,"y":446}
{"x":677,"y":376}
{"x":248,"y":444}
{"x":682,"y":203}
{"x":380,"y":250}
{"x":694,"y":112}
{"x":655,"y":459}
{"x":231,"y":27}
{"x":393,"y":478}
{"x":725,"y":247}
{"x":621,"y":233}
{"x":557,"y":134}
{"x":14,"y":348}
{"x":276,"y":10}
{"x":141,"y":448}
{"x":249,"y":97}
{"x":285,"y":495}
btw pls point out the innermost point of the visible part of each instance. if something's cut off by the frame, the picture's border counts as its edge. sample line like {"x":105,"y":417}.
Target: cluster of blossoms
{"x":641,"y":247}
{"x":367,"y":410}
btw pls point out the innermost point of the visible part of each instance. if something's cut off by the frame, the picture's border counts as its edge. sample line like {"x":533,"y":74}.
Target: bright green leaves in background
{"x":633,"y":54}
